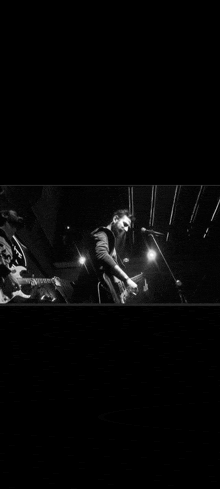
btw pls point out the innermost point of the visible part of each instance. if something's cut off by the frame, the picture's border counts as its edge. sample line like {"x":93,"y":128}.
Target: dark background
{"x":109,"y":397}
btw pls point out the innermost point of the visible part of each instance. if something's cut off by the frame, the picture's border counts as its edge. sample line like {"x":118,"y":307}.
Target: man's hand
{"x":132,"y":286}
{"x":33,"y":281}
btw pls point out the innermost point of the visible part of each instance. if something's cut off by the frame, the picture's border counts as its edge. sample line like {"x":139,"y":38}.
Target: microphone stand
{"x":178,"y":283}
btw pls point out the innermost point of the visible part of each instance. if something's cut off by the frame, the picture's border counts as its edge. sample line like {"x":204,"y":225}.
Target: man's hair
{"x":12,"y":218}
{"x":124,"y":212}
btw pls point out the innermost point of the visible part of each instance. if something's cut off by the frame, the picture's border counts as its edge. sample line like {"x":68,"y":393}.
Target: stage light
{"x":82,"y":260}
{"x":151,"y":255}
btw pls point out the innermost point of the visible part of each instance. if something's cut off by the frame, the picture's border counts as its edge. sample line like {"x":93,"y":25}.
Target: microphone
{"x":150,"y":231}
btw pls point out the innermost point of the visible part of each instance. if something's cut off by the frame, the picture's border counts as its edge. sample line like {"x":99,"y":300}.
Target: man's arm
{"x":106,"y":260}
{"x":5,"y":257}
{"x":5,"y":260}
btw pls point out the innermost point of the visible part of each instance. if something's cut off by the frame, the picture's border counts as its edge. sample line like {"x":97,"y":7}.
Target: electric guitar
{"x":117,"y":289}
{"x":9,"y":290}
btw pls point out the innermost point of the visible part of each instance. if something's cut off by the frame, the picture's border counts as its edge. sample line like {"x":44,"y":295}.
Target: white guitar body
{"x":4,"y":298}
{"x":9,"y":289}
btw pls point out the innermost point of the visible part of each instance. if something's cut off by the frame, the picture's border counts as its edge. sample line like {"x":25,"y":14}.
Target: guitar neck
{"x":137,"y":277}
{"x":28,"y":280}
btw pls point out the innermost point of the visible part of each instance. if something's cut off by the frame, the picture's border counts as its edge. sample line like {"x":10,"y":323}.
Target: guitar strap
{"x":19,"y":255}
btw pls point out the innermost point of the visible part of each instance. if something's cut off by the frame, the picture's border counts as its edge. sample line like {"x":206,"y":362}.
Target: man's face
{"x":120,"y":225}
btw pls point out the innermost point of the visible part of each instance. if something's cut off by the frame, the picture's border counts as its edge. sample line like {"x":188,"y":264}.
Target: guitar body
{"x":18,"y":271}
{"x":7,"y":298}
{"x":117,"y":289}
{"x":111,"y":287}
{"x":9,"y":290}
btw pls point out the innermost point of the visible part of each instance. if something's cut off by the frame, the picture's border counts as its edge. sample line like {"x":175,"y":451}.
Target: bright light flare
{"x":151,"y":255}
{"x":82,"y":260}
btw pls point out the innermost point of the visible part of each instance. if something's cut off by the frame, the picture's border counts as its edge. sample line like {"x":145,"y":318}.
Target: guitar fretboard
{"x":137,"y":277}
{"x":38,"y":280}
